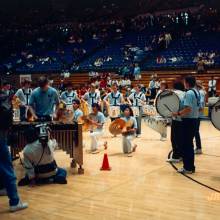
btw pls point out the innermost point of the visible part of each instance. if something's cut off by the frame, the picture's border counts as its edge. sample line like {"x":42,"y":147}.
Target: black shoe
{"x":24,"y":181}
{"x":59,"y":180}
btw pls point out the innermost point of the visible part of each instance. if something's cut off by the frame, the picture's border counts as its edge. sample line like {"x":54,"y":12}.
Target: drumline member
{"x":176,"y":125}
{"x":129,"y":135}
{"x":98,"y":120}
{"x":202,"y":94}
{"x":24,"y":95}
{"x":114,"y":99}
{"x":163,"y":87}
{"x":92,"y":97}
{"x":43,"y":100}
{"x":68,"y":96}
{"x":189,"y":114}
{"x":138,"y":99}
{"x":77,"y":112}
{"x":39,"y":163}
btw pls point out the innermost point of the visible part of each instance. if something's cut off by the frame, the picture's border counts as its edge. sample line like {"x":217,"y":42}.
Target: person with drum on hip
{"x":137,"y":100}
{"x":128,"y":133}
{"x":189,"y":115}
{"x":114,"y":99}
{"x":176,"y":125}
{"x":92,"y":97}
{"x":68,"y":96}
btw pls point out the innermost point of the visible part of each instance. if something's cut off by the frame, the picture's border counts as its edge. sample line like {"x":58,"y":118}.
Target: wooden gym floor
{"x":141,"y":187}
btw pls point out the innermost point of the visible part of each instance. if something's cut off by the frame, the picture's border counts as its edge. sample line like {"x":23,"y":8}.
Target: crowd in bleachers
{"x":152,"y":40}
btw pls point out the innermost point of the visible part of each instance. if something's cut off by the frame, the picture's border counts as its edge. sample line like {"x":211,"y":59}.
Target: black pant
{"x":197,"y":135}
{"x":176,"y":138}
{"x":187,"y":147}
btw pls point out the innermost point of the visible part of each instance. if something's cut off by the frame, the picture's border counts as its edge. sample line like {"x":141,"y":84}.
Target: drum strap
{"x":197,"y":95}
{"x":115,"y":98}
{"x":137,"y":97}
{"x":27,"y":95}
{"x":92,"y":97}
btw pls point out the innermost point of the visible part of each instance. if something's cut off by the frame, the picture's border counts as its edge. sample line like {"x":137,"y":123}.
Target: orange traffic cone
{"x":105,"y":163}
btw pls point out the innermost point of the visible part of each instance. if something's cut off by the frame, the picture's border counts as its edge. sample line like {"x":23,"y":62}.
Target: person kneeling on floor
{"x":39,"y":163}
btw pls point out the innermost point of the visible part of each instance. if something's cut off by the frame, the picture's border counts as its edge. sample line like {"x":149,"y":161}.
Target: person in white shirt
{"x":137,"y":100}
{"x":212,"y":87}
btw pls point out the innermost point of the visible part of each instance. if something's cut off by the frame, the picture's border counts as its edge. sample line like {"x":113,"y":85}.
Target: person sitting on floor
{"x":39,"y":163}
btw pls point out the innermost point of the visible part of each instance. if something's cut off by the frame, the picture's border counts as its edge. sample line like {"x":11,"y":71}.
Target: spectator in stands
{"x":200,"y":66}
{"x":168,"y":39}
{"x":137,"y":72}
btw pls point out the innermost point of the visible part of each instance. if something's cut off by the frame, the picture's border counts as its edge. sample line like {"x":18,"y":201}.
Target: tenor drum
{"x":215,"y":115}
{"x":114,"y":111}
{"x":167,"y":102}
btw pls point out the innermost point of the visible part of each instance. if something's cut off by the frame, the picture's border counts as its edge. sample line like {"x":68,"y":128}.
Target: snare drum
{"x":167,"y":102}
{"x":149,"y":110}
{"x":114,"y":111}
{"x":136,"y":111}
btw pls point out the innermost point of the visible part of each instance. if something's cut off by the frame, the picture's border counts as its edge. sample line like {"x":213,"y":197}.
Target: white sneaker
{"x":198,"y":151}
{"x":3,"y":192}
{"x":18,"y":207}
{"x":171,"y":160}
{"x":184,"y":171}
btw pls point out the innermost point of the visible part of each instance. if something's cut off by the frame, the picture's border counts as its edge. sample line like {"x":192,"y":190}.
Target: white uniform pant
{"x":127,"y":143}
{"x":95,"y":136}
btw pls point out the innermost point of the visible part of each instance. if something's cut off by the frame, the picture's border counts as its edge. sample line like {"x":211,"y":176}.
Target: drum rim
{"x":211,"y":115}
{"x":167,"y":90}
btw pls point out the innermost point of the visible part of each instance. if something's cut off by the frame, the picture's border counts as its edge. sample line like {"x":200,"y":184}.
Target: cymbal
{"x":117,"y":126}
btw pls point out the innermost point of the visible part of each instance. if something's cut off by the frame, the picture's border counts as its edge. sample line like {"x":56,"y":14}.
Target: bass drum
{"x":167,"y":102}
{"x":215,"y":115}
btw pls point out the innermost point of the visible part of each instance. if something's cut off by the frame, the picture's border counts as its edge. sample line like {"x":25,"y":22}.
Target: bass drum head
{"x":166,"y":103}
{"x":215,"y":115}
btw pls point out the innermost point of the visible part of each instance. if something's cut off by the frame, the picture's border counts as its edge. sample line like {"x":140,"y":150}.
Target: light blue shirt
{"x":77,"y":113}
{"x":181,"y":96}
{"x":137,"y":70}
{"x":190,"y":100}
{"x":43,"y":102}
{"x":202,"y":101}
{"x":92,"y":98}
{"x":131,"y":118}
{"x":115,"y":99}
{"x":68,"y":97}
{"x":99,"y":118}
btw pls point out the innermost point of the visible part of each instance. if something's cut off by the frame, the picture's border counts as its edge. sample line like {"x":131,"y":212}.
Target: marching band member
{"x":23,"y":95}
{"x":129,"y":133}
{"x":68,"y":96}
{"x":39,"y":163}
{"x":202,"y":94}
{"x":114,"y":99}
{"x":98,"y":121}
{"x":77,"y":112}
{"x":189,"y":114}
{"x":176,"y":125}
{"x":42,"y":101}
{"x":92,"y":97}
{"x":138,"y":99}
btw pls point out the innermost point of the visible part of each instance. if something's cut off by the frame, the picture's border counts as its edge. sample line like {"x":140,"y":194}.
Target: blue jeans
{"x":7,"y":172}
